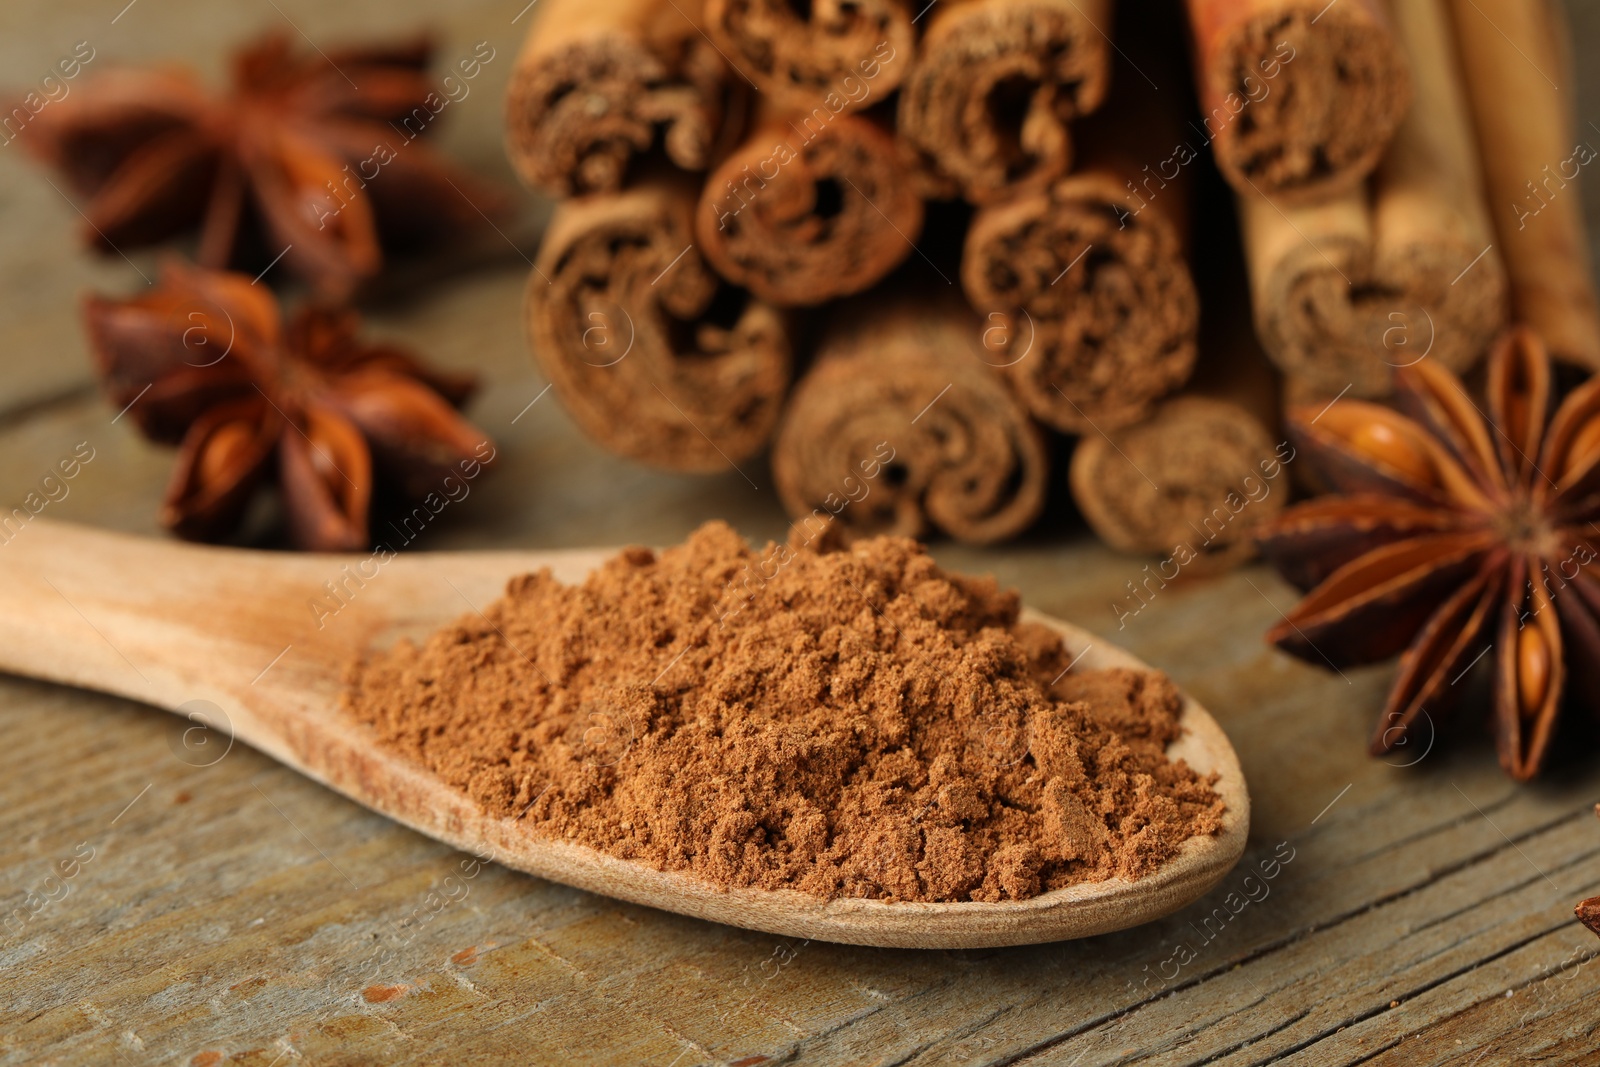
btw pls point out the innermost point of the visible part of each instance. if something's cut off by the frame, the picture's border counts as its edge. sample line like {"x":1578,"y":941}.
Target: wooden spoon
{"x":172,"y":625}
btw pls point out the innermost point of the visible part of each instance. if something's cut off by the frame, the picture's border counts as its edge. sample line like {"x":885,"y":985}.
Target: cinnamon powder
{"x":842,"y":722}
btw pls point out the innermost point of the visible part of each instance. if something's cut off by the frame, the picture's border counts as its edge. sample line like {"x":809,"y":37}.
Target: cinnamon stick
{"x":1521,"y":93}
{"x":1299,"y":97}
{"x":1085,"y":283}
{"x":1348,"y":290}
{"x":1192,"y":483}
{"x":598,"y":80}
{"x":995,"y":84}
{"x":899,"y":428}
{"x":654,"y":357}
{"x":840,"y":54}
{"x":805,"y":210}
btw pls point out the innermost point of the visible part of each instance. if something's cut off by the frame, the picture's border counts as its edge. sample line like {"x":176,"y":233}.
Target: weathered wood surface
{"x":231,"y":911}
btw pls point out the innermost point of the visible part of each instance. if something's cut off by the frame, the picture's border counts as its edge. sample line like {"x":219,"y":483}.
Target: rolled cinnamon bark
{"x":595,"y":83}
{"x":808,"y":210}
{"x":1192,"y":483}
{"x":1090,"y":304}
{"x":1347,"y":291}
{"x":1299,"y":97}
{"x":898,"y":428}
{"x":1520,"y":90}
{"x":654,"y":357}
{"x":994,"y":85}
{"x":800,"y":55}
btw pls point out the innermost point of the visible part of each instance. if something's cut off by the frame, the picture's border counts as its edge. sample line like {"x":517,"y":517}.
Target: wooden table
{"x":222,"y":909}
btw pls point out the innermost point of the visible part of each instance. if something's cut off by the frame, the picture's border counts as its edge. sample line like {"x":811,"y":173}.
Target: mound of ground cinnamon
{"x":845,"y":722}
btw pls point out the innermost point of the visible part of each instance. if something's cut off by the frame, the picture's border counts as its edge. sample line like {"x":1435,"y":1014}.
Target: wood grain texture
{"x":239,"y":913}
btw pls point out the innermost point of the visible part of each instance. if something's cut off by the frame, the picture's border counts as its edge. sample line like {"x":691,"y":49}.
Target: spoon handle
{"x":104,"y":611}
{"x":227,"y":638}
{"x":167,"y":622}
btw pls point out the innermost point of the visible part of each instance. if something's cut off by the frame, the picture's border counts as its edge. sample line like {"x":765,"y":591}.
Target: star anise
{"x":206,"y":361}
{"x":1458,"y":532}
{"x":307,"y":156}
{"x":1588,"y":910}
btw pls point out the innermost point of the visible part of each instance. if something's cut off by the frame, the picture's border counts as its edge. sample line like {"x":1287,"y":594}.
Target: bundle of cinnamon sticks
{"x":852,"y":231}
{"x":1430,"y":245}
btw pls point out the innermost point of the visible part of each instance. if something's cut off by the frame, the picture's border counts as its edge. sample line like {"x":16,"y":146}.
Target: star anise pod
{"x":205,"y":360}
{"x":307,"y":156}
{"x":1456,"y":531}
{"x":1588,"y":910}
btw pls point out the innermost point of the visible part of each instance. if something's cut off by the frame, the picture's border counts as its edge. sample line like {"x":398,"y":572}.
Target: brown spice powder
{"x":843,"y":722}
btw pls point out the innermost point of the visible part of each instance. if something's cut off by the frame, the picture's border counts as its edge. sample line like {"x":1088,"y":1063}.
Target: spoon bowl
{"x":252,"y":647}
